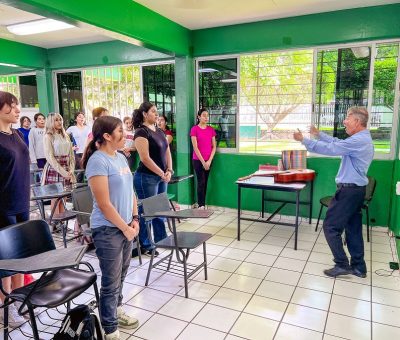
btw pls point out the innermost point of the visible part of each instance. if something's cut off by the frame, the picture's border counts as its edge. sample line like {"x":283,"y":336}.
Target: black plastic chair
{"x":55,"y":191}
{"x":28,"y":247}
{"x":370,"y":190}
{"x":82,"y":200}
{"x":179,"y":243}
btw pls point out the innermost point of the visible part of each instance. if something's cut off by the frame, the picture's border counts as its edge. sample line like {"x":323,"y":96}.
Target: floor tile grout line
{"x":283,"y":315}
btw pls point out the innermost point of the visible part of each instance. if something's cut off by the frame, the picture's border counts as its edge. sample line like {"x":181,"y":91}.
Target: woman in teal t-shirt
{"x":114,"y":220}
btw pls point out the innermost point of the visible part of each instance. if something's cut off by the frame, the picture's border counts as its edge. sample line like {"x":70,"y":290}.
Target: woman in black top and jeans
{"x":14,"y":186}
{"x":155,"y":167}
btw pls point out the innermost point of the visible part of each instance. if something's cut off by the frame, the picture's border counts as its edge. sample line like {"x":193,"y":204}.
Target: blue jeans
{"x":114,"y":253}
{"x":344,"y":214}
{"x":6,"y":220}
{"x":147,"y":185}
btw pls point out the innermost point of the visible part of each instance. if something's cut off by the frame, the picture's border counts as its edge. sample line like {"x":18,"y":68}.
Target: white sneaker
{"x":113,"y":336}
{"x":14,"y":319}
{"x":125,"y":320}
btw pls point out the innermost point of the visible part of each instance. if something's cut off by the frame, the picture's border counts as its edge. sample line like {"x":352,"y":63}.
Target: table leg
{"x":239,"y":211}
{"x":296,"y":225}
{"x":311,"y":195}
{"x":262,"y":203}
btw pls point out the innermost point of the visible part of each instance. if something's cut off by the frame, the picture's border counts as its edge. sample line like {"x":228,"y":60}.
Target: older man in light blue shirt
{"x":344,"y":212}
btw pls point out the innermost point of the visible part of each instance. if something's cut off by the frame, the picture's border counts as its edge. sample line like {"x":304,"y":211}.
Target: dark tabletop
{"x":187,"y":213}
{"x":47,"y":261}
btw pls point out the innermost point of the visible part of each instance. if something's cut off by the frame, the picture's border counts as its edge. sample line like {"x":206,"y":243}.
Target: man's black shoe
{"x":356,"y":272}
{"x":337,"y":271}
{"x":147,"y":252}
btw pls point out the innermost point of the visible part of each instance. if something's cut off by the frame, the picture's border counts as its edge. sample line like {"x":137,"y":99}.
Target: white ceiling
{"x":196,"y":14}
{"x":68,"y":37}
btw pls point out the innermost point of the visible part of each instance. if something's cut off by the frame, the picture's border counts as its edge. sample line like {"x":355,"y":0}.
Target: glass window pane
{"x":275,"y":99}
{"x":381,"y":119}
{"x":218,"y":93}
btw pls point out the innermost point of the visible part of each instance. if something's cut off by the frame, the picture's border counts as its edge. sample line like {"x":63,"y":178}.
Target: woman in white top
{"x":36,"y":147}
{"x":129,"y":147}
{"x":60,"y":158}
{"x":80,"y":132}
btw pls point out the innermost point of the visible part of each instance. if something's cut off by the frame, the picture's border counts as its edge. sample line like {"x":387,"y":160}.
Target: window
{"x":9,"y":83}
{"x":282,"y":91}
{"x":275,"y":99}
{"x":69,"y":88}
{"x":383,"y":97}
{"x":116,"y":88}
{"x":28,"y":91}
{"x":23,"y":87}
{"x":218,"y":93}
{"x":344,"y":80}
{"x":159,"y":89}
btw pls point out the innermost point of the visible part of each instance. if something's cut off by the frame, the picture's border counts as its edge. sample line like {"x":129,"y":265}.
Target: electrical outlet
{"x":394,"y":265}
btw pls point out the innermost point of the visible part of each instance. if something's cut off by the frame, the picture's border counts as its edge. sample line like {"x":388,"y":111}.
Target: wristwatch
{"x":135,"y":218}
{"x":171,"y":171}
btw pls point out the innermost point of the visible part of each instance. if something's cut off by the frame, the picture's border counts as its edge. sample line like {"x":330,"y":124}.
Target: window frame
{"x":394,"y":150}
{"x":197,"y":95}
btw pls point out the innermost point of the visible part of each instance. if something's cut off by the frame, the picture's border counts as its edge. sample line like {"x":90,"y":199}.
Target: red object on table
{"x":301,"y":175}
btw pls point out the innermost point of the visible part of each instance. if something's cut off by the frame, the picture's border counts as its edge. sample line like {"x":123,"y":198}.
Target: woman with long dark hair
{"x":155,"y":167}
{"x":162,"y":123}
{"x":14,"y":187}
{"x":204,"y":147}
{"x":114,"y":220}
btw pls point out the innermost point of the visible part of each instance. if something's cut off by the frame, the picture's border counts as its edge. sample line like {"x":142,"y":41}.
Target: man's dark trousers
{"x":344,"y":214}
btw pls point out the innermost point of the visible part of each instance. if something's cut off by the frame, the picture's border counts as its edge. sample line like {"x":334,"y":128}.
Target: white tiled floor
{"x":260,"y":288}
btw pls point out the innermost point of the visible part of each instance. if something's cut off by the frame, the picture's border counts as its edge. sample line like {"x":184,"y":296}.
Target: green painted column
{"x":45,"y":90}
{"x":184,"y":89}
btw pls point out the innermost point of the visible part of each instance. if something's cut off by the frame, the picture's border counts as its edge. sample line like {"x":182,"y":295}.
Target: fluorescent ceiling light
{"x":205,"y":70}
{"x":10,"y":65}
{"x":38,"y":26}
{"x":228,"y":80}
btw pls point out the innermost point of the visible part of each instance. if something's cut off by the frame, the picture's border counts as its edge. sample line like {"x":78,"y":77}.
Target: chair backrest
{"x":48,"y":189}
{"x":25,"y":239}
{"x":82,"y":200}
{"x":154,"y":204}
{"x":369,"y":193}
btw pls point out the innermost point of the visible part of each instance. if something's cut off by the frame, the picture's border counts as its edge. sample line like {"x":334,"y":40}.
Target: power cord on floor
{"x":384,"y":272}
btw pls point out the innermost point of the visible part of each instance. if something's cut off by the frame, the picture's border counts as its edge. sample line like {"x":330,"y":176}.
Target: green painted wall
{"x":132,"y":22}
{"x":23,"y":55}
{"x":101,"y":54}
{"x":227,"y":168}
{"x":184,"y":88}
{"x":45,"y":91}
{"x":361,"y":24}
{"x":395,"y":206}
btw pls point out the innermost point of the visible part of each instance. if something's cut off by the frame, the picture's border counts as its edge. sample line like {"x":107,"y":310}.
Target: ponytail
{"x":138,"y":114}
{"x":102,"y":125}
{"x":89,"y":151}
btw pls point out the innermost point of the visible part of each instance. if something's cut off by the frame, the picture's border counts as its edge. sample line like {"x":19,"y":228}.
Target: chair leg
{"x":205,"y":261}
{"x":33,"y":323}
{"x":6,"y":325}
{"x":64,"y":228}
{"x":173,"y":208}
{"x":367,"y":212}
{"x":319,"y":217}
{"x":139,"y":252}
{"x":150,"y":266}
{"x":170,"y":260}
{"x":185,"y":277}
